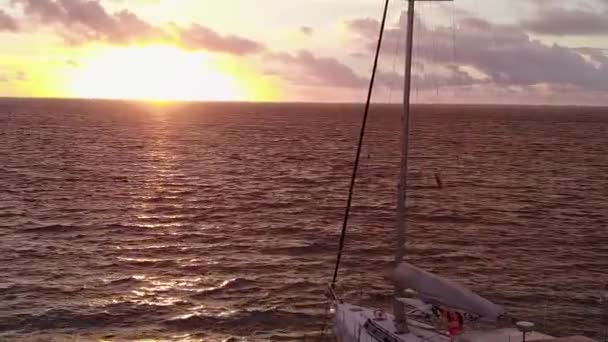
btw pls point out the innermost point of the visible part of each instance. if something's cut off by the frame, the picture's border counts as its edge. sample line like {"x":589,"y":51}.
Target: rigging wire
{"x":358,"y":154}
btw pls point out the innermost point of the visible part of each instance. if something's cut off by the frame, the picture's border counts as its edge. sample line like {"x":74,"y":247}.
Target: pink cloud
{"x":7,"y":23}
{"x":82,"y":21}
{"x":200,"y":37}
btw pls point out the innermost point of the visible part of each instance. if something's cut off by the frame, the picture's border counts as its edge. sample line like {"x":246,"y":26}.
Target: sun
{"x":157,"y":73}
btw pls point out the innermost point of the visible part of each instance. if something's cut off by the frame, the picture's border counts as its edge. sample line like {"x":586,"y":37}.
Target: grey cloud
{"x":595,"y":54}
{"x":364,"y":27}
{"x":201,"y":37}
{"x":503,"y":53}
{"x":453,"y":76}
{"x":304,"y":67}
{"x":560,"y":21}
{"x":509,"y":56}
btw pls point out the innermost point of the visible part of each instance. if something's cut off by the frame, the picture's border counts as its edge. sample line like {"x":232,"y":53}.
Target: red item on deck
{"x":454,"y":323}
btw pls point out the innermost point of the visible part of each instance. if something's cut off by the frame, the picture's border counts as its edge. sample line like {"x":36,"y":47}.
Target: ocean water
{"x":127,"y":221}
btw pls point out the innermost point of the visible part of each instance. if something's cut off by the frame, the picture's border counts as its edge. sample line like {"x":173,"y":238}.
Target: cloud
{"x":365,"y":27}
{"x":509,"y":56}
{"x":596,"y":55}
{"x":559,"y":21}
{"x":366,"y":31}
{"x":448,"y":76}
{"x":307,"y":30}
{"x":82,"y":21}
{"x":86,"y":20}
{"x":47,"y":10}
{"x":7,"y":23}
{"x":304,"y":67}
{"x":200,"y":37}
{"x":503,"y":54}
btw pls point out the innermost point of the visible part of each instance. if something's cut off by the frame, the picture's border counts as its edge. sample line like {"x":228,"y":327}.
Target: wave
{"x":119,"y":314}
{"x":317,"y":288}
{"x":443,"y":218}
{"x":52,"y":228}
{"x":230,"y":285}
{"x":125,"y":281}
{"x":315,"y":247}
{"x":301,"y":181}
{"x":244,"y":321}
{"x":10,"y":215}
{"x":261,"y":214}
{"x":37,"y":290}
{"x":149,"y":262}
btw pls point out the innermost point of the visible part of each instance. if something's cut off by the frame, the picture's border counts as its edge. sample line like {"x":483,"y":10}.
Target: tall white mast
{"x":400,"y":320}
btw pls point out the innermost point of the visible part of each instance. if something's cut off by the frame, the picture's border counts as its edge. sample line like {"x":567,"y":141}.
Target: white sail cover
{"x":438,"y":290}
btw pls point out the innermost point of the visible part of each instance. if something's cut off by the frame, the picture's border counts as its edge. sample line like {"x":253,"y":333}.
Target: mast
{"x":399,"y":313}
{"x":398,"y":309}
{"x":405,"y":135}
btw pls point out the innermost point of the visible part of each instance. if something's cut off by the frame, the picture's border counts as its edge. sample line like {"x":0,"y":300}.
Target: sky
{"x":466,"y":51}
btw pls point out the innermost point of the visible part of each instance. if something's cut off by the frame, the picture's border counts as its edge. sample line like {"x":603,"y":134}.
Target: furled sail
{"x":437,"y":290}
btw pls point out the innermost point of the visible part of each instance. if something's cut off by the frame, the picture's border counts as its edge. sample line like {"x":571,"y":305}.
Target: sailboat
{"x":436,"y":308}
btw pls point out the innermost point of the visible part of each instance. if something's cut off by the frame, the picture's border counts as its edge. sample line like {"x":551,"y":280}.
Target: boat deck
{"x":505,"y":335}
{"x":351,"y":322}
{"x":570,"y":339}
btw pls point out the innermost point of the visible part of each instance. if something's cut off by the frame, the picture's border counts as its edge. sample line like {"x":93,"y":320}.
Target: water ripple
{"x":220,"y":222}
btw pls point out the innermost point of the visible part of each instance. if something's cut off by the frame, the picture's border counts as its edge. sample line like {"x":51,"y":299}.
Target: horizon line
{"x":152,"y":101}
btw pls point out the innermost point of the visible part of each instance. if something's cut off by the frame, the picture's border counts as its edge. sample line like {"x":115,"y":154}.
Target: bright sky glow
{"x":518,"y":51}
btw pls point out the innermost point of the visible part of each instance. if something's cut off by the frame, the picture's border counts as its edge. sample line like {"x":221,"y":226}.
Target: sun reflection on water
{"x":207,"y":311}
{"x":160,"y":291}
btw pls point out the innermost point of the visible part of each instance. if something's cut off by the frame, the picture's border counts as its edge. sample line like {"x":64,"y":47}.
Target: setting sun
{"x":155,"y":73}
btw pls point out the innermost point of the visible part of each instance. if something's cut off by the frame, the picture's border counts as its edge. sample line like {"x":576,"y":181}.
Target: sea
{"x":134,"y":221}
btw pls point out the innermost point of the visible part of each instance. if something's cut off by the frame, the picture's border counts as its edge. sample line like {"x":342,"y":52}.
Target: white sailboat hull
{"x":350,"y":326}
{"x":350,"y":322}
